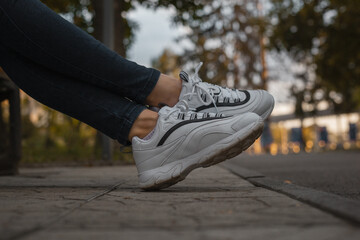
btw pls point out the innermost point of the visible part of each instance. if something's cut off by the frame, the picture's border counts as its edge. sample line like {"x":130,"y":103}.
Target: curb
{"x":339,"y":206}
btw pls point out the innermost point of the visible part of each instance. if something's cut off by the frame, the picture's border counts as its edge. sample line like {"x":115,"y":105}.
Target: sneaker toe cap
{"x":245,"y":120}
{"x":264,"y":103}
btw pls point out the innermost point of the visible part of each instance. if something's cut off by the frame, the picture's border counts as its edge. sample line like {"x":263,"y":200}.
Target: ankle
{"x":166,"y":92}
{"x":144,"y":124}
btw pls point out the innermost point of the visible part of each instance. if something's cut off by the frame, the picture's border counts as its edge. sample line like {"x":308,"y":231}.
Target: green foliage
{"x":186,"y":11}
{"x":324,"y":33}
{"x":62,"y":139}
{"x":167,"y":63}
{"x":79,"y":12}
{"x":88,"y":15}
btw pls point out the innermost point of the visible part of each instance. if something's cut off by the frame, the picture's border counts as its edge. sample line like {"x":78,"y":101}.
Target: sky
{"x":156,"y":32}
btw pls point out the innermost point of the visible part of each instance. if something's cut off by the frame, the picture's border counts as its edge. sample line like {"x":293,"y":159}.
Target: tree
{"x":167,"y":63}
{"x":78,"y":12}
{"x":322,"y":34}
{"x":88,"y":14}
{"x":226,"y":35}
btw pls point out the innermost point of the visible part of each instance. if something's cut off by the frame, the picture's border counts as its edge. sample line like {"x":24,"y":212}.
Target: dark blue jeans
{"x":65,"y":68}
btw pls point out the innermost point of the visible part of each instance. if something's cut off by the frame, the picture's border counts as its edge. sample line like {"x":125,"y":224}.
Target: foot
{"x":207,"y":97}
{"x":183,"y":140}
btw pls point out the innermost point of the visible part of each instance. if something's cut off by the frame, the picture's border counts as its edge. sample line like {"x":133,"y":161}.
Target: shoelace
{"x":209,"y":90}
{"x":182,"y":109}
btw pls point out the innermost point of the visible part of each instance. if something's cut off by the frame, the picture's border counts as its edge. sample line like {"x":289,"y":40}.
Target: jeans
{"x":65,"y":68}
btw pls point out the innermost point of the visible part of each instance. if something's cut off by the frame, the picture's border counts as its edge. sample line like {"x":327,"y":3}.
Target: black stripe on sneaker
{"x":180,"y":124}
{"x":247,"y":98}
{"x":184,"y":76}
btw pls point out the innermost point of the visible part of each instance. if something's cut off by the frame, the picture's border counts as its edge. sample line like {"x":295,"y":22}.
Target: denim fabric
{"x":63,"y":67}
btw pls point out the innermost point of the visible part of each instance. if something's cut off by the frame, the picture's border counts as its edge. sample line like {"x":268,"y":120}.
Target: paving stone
{"x":212,"y":203}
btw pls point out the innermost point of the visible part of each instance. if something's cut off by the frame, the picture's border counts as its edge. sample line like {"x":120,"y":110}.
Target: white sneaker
{"x":183,"y":140}
{"x":207,"y":97}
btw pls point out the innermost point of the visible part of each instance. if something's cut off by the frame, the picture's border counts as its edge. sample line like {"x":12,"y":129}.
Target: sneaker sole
{"x":172,"y":173}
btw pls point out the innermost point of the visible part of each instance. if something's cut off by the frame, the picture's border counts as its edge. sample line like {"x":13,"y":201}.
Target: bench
{"x":10,"y":137}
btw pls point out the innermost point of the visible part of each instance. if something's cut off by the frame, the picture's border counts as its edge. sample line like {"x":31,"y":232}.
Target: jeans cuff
{"x":148,"y":86}
{"x":131,"y":116}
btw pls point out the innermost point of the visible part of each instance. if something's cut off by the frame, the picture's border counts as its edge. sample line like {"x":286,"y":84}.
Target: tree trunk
{"x":3,"y":132}
{"x":98,"y":20}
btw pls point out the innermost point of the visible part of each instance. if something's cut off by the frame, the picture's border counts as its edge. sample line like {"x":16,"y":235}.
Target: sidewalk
{"x":106,"y":203}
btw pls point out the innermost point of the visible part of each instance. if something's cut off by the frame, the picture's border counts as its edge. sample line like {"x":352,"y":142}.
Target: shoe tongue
{"x":186,"y":84}
{"x":164,"y":110}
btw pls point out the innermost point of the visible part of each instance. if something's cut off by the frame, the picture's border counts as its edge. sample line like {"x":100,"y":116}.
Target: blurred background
{"x":304,"y":52}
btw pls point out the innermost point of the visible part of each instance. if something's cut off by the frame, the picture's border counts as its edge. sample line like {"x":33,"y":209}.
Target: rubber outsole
{"x":176,"y":173}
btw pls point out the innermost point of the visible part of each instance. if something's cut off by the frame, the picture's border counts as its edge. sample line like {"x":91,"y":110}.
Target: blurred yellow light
{"x":285,"y":151}
{"x":307,"y":149}
{"x":296,"y":149}
{"x":273,"y":149}
{"x":332,"y":146}
{"x":257,"y":146}
{"x":358,"y":144}
{"x":346,"y":145}
{"x":322,"y":143}
{"x":61,"y":142}
{"x":309,"y":144}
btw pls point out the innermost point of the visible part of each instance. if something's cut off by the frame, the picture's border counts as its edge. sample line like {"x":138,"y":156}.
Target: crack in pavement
{"x":48,"y":224}
{"x":261,"y":201}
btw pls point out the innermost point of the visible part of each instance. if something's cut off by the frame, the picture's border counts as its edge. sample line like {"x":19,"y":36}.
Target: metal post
{"x":108,"y":39}
{"x":15,"y":129}
{"x":108,"y":28}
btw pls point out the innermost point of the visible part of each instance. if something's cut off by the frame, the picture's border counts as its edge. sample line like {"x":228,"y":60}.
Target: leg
{"x":107,"y":112}
{"x":166,"y":92}
{"x":39,"y":34}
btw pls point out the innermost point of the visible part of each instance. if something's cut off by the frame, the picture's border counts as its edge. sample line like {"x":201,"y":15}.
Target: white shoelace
{"x":183,"y":111}
{"x":181,"y":107}
{"x":199,"y":87}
